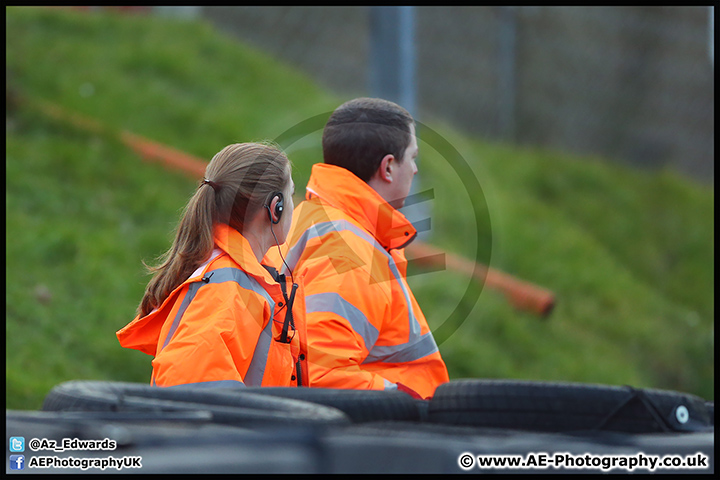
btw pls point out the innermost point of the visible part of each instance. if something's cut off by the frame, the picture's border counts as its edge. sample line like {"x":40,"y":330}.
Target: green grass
{"x":628,"y":254}
{"x":602,"y":238}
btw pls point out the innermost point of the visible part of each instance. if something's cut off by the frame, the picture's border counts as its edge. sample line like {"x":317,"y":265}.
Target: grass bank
{"x":629,"y":254}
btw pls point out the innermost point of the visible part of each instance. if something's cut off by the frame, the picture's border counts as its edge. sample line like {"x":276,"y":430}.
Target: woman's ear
{"x":275,"y":211}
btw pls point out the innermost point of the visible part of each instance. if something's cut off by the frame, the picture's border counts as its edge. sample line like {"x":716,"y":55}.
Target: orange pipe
{"x":521,"y":294}
{"x":170,"y":157}
{"x":146,"y":148}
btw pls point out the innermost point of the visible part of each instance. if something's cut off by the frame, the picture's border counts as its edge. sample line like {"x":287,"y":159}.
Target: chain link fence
{"x":633,"y":84}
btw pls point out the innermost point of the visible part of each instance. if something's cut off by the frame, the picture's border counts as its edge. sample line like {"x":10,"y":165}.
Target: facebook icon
{"x":17,"y":462}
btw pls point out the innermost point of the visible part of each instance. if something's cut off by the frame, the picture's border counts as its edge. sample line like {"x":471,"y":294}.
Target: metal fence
{"x":633,"y":84}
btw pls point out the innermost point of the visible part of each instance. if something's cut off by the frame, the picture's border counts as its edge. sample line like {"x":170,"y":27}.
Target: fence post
{"x":507,"y":72}
{"x":392,"y":55}
{"x":711,"y":35}
{"x":392,"y":76}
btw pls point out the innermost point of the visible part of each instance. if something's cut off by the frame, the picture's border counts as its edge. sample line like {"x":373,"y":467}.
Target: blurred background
{"x":633,"y":84}
{"x":568,"y":148}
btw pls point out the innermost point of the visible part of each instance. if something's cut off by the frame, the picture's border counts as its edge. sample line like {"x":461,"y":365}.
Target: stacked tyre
{"x":315,"y":430}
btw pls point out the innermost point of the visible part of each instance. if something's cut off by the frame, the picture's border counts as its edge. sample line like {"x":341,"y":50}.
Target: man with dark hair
{"x":365,"y":329}
{"x":361,"y":132}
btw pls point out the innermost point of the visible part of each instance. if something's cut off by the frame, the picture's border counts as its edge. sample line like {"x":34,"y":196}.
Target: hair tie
{"x":214,"y":185}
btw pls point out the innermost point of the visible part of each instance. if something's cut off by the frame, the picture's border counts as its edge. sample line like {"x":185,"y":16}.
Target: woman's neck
{"x":260,"y":240}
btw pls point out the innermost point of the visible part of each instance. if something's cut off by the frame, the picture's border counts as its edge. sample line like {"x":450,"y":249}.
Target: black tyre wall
{"x":359,"y":405}
{"x":561,"y":407}
{"x":230,"y":406}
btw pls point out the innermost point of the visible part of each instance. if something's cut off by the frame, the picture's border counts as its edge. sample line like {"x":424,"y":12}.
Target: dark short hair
{"x":359,"y":133}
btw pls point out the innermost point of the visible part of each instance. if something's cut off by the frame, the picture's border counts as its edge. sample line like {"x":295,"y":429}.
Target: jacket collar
{"x":143,"y":332}
{"x":343,"y":190}
{"x":238,"y":248}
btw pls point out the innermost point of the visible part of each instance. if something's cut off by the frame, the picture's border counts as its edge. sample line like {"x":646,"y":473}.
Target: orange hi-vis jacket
{"x":224,"y":325}
{"x":365,"y":329}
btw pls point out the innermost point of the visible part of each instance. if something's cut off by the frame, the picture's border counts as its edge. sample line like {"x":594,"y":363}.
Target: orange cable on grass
{"x":146,"y":148}
{"x":170,"y":157}
{"x":522,"y":295}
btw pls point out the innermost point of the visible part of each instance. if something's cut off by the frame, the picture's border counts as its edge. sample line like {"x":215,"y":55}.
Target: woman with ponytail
{"x":213,"y":314}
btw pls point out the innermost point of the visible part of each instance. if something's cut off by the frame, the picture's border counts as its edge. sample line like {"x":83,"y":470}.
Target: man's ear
{"x":385,"y":170}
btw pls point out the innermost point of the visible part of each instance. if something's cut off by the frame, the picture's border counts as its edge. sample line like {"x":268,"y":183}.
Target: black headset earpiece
{"x":278,"y":207}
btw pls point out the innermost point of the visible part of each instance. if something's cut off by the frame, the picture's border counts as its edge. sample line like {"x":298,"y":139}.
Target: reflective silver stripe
{"x":332,"y":302}
{"x":389,"y":385}
{"x":320,"y":229}
{"x":418,"y":346}
{"x":408,"y":352}
{"x":213,"y":255}
{"x":256,"y":370}
{"x":212,"y":384}
{"x":192,"y":291}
